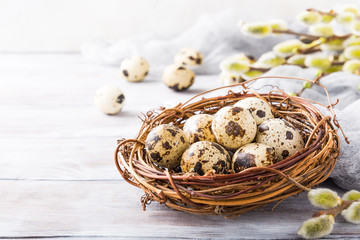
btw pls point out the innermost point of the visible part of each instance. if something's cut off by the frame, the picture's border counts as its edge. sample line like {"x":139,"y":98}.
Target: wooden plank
{"x":57,"y":175}
{"x":49,"y":127}
{"x":65,"y":159}
{"x":110,"y":208}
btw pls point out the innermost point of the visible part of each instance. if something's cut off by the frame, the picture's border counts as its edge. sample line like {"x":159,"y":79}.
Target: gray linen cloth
{"x":218,"y":36}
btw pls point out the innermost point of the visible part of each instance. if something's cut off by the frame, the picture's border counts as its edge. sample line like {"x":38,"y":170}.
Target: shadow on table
{"x":125,"y":114}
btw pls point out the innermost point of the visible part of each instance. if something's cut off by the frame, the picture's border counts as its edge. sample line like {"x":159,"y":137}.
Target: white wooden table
{"x":57,"y":175}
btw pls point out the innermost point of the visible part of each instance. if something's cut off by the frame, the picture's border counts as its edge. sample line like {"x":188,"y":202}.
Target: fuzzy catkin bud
{"x":317,"y":227}
{"x":352,"y":41}
{"x":355,"y":28}
{"x":308,"y":18}
{"x":235,"y":64}
{"x":269,"y":60}
{"x":350,"y":8}
{"x":256,"y":29}
{"x":326,"y":18}
{"x":251,"y":74}
{"x":318,"y":72}
{"x":333,"y":68}
{"x":333,"y":45}
{"x":324,"y":198}
{"x":321,"y":30}
{"x":307,"y":85}
{"x":353,"y":194}
{"x":297,"y":59}
{"x":352,"y":213}
{"x":278,"y":24}
{"x":352,"y":52}
{"x":288,"y":48}
{"x":318,"y":61}
{"x":345,"y":18}
{"x":352,"y":66}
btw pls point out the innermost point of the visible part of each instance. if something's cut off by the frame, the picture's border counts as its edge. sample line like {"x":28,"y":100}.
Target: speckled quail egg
{"x":204,"y":156}
{"x":227,"y":79}
{"x":178,"y":77}
{"x":189,"y":57}
{"x":233,"y":127}
{"x":198,"y":128}
{"x":109,"y":99}
{"x":280,"y":135}
{"x":253,"y":155}
{"x":259,"y":109}
{"x":134,"y":69}
{"x":165,"y":144}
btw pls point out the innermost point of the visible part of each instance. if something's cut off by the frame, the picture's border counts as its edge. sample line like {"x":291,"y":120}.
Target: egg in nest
{"x":234,"y":127}
{"x":253,"y":155}
{"x":165,"y":144}
{"x":280,"y":135}
{"x":258,"y":108}
{"x":204,"y":156}
{"x":227,"y":79}
{"x":198,"y":128}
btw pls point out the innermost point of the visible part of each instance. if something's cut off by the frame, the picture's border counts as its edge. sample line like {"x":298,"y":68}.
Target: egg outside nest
{"x":134,"y":69}
{"x":188,"y":57}
{"x":109,"y":99}
{"x":178,"y":77}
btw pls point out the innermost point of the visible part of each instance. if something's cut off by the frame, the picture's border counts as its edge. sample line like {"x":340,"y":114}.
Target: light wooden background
{"x":57,"y":174}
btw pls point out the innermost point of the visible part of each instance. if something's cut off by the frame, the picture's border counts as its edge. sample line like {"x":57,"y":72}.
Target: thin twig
{"x":334,"y":211}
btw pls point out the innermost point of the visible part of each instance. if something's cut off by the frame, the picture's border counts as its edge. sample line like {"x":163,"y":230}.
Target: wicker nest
{"x":235,"y":193}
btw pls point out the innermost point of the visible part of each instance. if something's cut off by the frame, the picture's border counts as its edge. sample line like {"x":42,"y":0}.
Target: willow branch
{"x":311,"y":37}
{"x":334,"y":211}
{"x":259,"y":69}
{"x":290,"y":32}
{"x":330,"y":13}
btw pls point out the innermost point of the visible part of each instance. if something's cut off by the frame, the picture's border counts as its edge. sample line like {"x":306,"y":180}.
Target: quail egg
{"x":198,"y":128}
{"x":233,"y":127}
{"x":178,"y":77}
{"x":280,"y":135}
{"x":134,"y":69}
{"x":253,"y":155}
{"x":259,"y":109}
{"x":188,"y":56}
{"x":227,"y":79}
{"x":109,"y":99}
{"x":165,"y":144}
{"x":204,"y":156}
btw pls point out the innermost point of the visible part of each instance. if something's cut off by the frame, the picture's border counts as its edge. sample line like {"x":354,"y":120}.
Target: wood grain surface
{"x":57,"y":175}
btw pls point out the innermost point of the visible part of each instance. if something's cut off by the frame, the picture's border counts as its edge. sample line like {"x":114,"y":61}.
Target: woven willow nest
{"x":235,"y":193}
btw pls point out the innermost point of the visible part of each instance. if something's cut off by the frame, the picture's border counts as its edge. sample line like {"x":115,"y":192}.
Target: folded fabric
{"x":218,"y":36}
{"x":342,"y":86}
